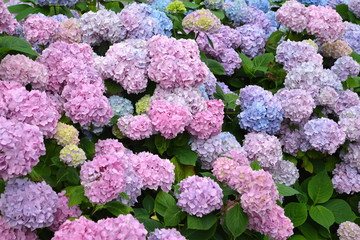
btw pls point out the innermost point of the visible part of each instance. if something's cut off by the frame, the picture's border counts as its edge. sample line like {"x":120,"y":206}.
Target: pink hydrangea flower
{"x":292,"y":15}
{"x":135,"y":127}
{"x":8,"y":24}
{"x":40,"y":29}
{"x":81,"y":228}
{"x":8,"y":233}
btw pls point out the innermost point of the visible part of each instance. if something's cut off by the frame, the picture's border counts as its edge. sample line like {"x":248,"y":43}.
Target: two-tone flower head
{"x":135,"y":127}
{"x":344,"y":67}
{"x":72,"y":155}
{"x":66,"y":134}
{"x":349,"y":122}
{"x":202,"y":21}
{"x":348,"y":231}
{"x":336,"y":49}
{"x":8,"y":24}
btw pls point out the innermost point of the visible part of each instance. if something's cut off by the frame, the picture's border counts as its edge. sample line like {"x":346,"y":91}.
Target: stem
{"x":227,"y":207}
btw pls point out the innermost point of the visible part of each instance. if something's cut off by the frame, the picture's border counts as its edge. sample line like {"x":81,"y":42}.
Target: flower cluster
{"x":143,"y":104}
{"x":202,"y":21}
{"x":199,"y":195}
{"x":69,"y":31}
{"x":284,"y":172}
{"x":121,"y":106}
{"x":8,"y":233}
{"x":336,"y":49}
{"x":348,"y":231}
{"x":253,"y":40}
{"x":324,"y":135}
{"x":352,"y":36}
{"x":349,"y":122}
{"x":161,"y":5}
{"x":351,"y":157}
{"x":72,"y":155}
{"x":7,"y":23}
{"x":346,"y":179}
{"x":154,"y":171}
{"x":166,"y":234}
{"x":66,"y":134}
{"x":175,"y":7}
{"x":41,"y":30}
{"x":126,"y":63}
{"x":175,"y":63}
{"x":262,"y":112}
{"x":292,"y":14}
{"x":143,"y":21}
{"x":81,"y":228}
{"x":135,"y":127}
{"x":28,"y":204}
{"x":345,"y":100}
{"x":344,"y":67}
{"x":354,"y":6}
{"x":23,"y":70}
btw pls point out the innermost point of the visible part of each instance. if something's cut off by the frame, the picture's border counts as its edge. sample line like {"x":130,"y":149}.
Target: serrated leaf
{"x":149,"y":203}
{"x":75,"y":194}
{"x":203,"y":223}
{"x":185,"y":156}
{"x":18,"y":8}
{"x":173,"y":216}
{"x":320,"y":188}
{"x":286,"y":190}
{"x":262,"y":61}
{"x":322,"y":216}
{"x":255,"y":165}
{"x":117,"y":208}
{"x":10,"y":43}
{"x":161,"y":144}
{"x":230,"y":100}
{"x":247,"y":64}
{"x":309,"y":231}
{"x":341,"y":210}
{"x":218,"y":13}
{"x":297,"y":212}
{"x":26,"y":12}
{"x":163,"y":201}
{"x":236,"y":220}
{"x":215,"y":67}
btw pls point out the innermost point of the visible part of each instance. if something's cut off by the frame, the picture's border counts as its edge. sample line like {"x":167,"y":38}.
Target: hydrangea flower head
{"x":354,"y":7}
{"x":69,"y":31}
{"x":348,"y":231}
{"x":344,"y":67}
{"x":175,"y":7}
{"x":292,"y":15}
{"x":346,"y":179}
{"x":28,"y":204}
{"x":143,"y":104}
{"x":352,"y":36}
{"x":72,"y":155}
{"x":8,"y":23}
{"x":66,"y":134}
{"x":349,"y":122}
{"x":40,"y":29}
{"x":202,"y":21}
{"x":253,"y":40}
{"x":81,"y":228}
{"x":284,"y":172}
{"x":166,"y":234}
{"x":199,"y":195}
{"x":121,"y":106}
{"x":8,"y":233}
{"x":346,"y":100}
{"x":214,"y":4}
{"x":336,"y":49}
{"x":351,"y":156}
{"x":160,"y":5}
{"x":136,"y":127}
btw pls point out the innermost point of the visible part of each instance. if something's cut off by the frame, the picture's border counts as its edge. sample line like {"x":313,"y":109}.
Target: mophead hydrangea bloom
{"x":315,"y":2}
{"x":61,"y":59}
{"x":202,"y":21}
{"x":104,"y":177}
{"x":69,"y":31}
{"x":89,"y":105}
{"x":328,"y":97}
{"x":292,"y":15}
{"x":154,"y":171}
{"x":40,"y":29}
{"x":168,"y":118}
{"x":126,"y":63}
{"x":109,"y":146}
{"x":348,"y":231}
{"x":312,"y":78}
{"x":346,"y":99}
{"x":223,"y":168}
{"x":8,"y":24}
{"x":135,"y":127}
{"x":207,"y":149}
{"x":344,"y":67}
{"x":261,"y":111}
{"x":21,"y":146}
{"x":324,"y":135}
{"x":346,"y":179}
{"x":103,"y":25}
{"x":284,"y":172}
{"x":352,"y":36}
{"x":166,"y":234}
{"x":352,"y":155}
{"x":8,"y":233}
{"x":238,"y":12}
{"x":63,"y":211}
{"x":68,"y":3}
{"x":72,"y":155}
{"x":237,"y":155}
{"x":214,"y":4}
{"x":297,"y":104}
{"x":292,"y":54}
{"x":209,"y":121}
{"x":123,"y":227}
{"x":349,"y":122}
{"x":266,"y":149}
{"x":199,"y":195}
{"x":121,"y":106}
{"x":210,"y":85}
{"x":293,"y":139}
{"x":81,"y":228}
{"x":354,"y":7}
{"x":324,"y":22}
{"x":176,"y":7}
{"x":253,"y":40}
{"x":142,"y":21}
{"x":23,"y":70}
{"x":336,"y":49}
{"x":66,"y":134}
{"x":262,"y":5}
{"x":175,"y":63}
{"x":143,"y":104}
{"x":160,"y":4}
{"x":28,"y":204}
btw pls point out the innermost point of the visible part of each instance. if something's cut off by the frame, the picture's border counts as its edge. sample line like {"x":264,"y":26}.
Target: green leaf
{"x":355,"y":56}
{"x":2,"y":186}
{"x":218,"y":13}
{"x":112,"y":87}
{"x":192,"y":234}
{"x":148,"y":203}
{"x":150,"y":224}
{"x":255,"y":165}
{"x":286,"y":190}
{"x":342,"y":10}
{"x":309,"y":231}
{"x":76,"y":194}
{"x":23,"y":14}
{"x":117,"y":208}
{"x":124,"y":196}
{"x":297,"y":212}
{"x":215,"y":67}
{"x":173,"y":216}
{"x":297,"y":237}
{"x":141,"y":213}
{"x":18,"y":8}
{"x":161,"y":144}
{"x":322,"y":216}
{"x":320,"y":188}
{"x":203,"y":223}
{"x":81,"y":6}
{"x":341,"y":210}
{"x":230,"y":100}
{"x":114,"y":120}
{"x":236,"y":220}
{"x":163,"y":201}
{"x":273,"y":41}
{"x":353,"y":82}
{"x":185,"y":155}
{"x":67,"y":12}
{"x":262,"y":61}
{"x":307,"y":165}
{"x":11,"y":43}
{"x":190,"y":4}
{"x":247,"y":64}
{"x":88,"y":147}
{"x":182,"y":171}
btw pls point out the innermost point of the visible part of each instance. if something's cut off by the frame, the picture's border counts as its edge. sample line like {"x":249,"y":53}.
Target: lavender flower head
{"x":352,"y":155}
{"x":253,"y":40}
{"x":348,"y":231}
{"x":166,"y":234}
{"x":349,"y":122}
{"x":284,"y":172}
{"x":199,"y":196}
{"x":28,"y":204}
{"x":346,"y":179}
{"x":344,"y":67}
{"x":352,"y":36}
{"x":354,"y":6}
{"x":324,"y":135}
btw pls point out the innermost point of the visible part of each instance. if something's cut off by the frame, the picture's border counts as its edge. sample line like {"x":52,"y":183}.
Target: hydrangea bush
{"x":174,"y":120}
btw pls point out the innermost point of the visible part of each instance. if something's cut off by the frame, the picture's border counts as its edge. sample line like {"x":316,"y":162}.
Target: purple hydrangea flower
{"x":166,"y":234}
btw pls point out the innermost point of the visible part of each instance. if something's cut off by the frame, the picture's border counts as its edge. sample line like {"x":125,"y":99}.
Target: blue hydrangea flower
{"x":314,"y":2}
{"x":214,"y":4}
{"x":121,"y":106}
{"x":160,"y":5}
{"x":263,"y":5}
